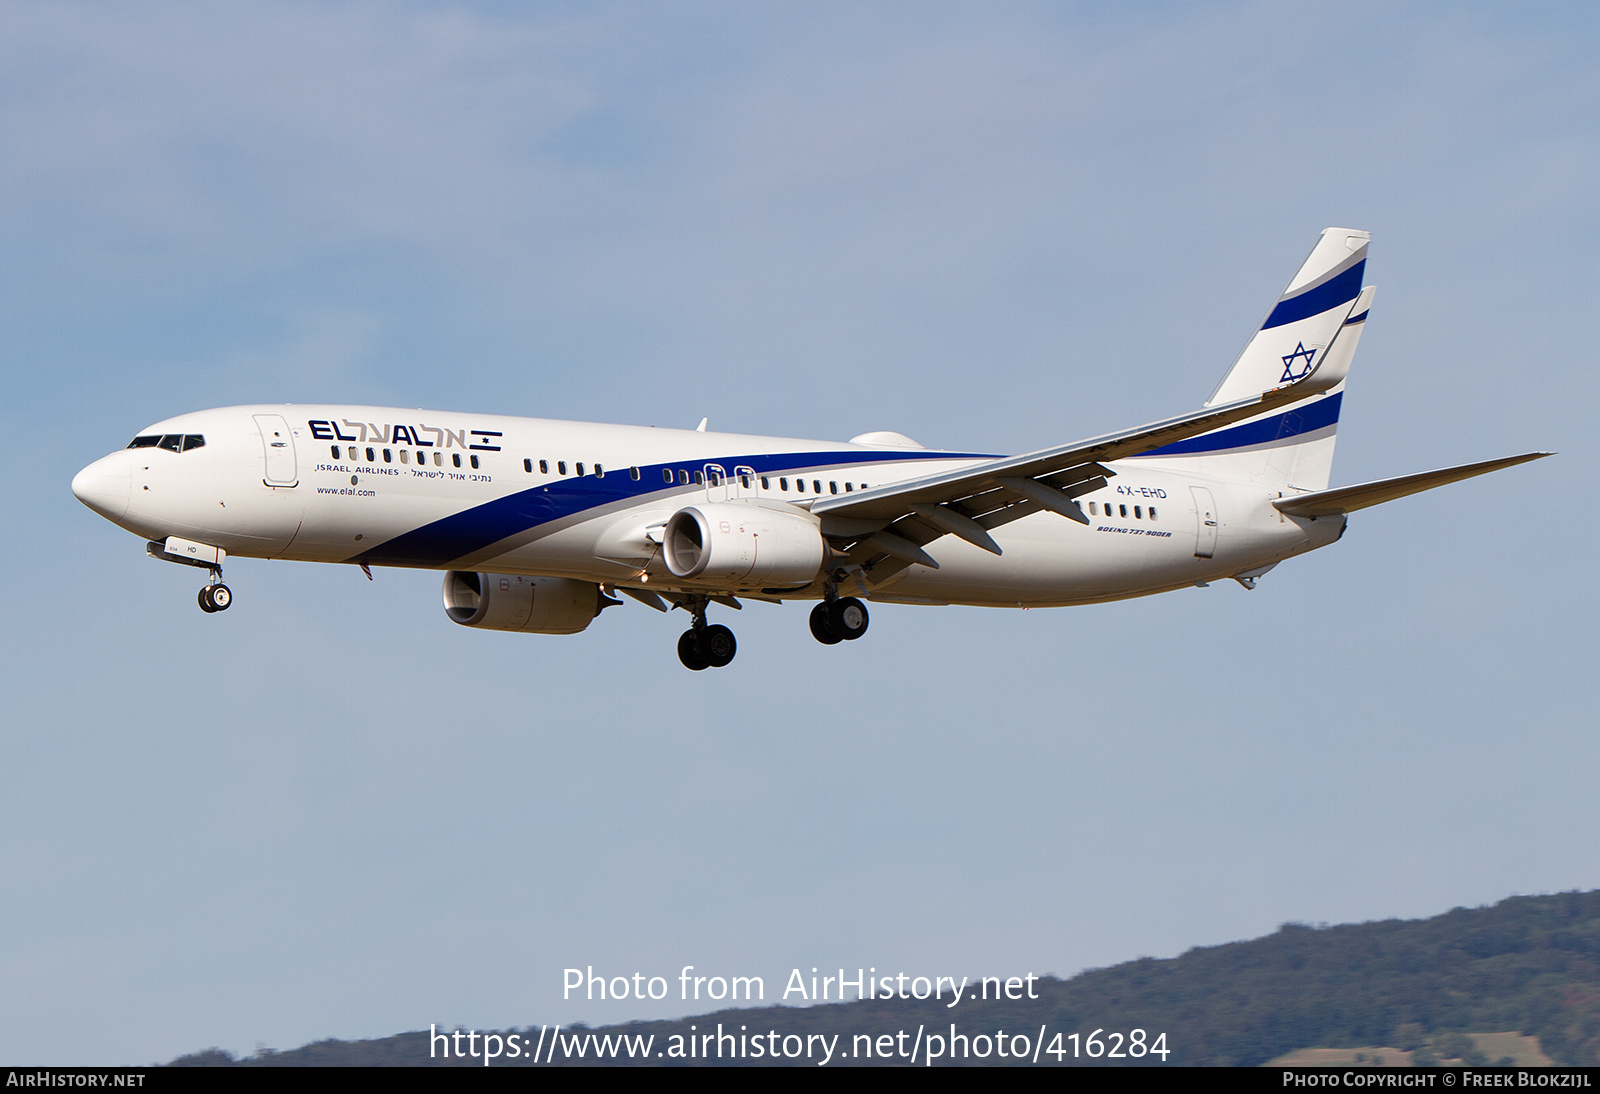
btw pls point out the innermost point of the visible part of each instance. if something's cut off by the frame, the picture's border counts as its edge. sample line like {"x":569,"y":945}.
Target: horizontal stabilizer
{"x":1346,"y":499}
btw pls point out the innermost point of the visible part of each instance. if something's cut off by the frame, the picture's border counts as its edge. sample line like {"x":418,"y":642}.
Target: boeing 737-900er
{"x":536,"y":524}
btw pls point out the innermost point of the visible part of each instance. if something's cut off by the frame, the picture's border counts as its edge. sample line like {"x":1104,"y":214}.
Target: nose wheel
{"x":215,"y":598}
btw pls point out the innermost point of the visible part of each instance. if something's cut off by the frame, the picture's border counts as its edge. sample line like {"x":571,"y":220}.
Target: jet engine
{"x":743,"y":545}
{"x":510,"y":602}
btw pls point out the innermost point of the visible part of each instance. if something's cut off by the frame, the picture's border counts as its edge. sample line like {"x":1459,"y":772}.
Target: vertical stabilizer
{"x":1302,"y":324}
{"x":1316,"y":323}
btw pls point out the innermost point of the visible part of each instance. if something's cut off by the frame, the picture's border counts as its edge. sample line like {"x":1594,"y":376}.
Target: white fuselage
{"x":453,"y":491}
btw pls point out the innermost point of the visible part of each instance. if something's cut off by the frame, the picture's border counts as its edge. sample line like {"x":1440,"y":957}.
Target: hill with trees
{"x":1529,"y":964}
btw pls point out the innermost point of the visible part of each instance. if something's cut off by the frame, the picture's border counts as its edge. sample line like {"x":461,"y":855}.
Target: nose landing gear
{"x":705,"y":647}
{"x":215,"y":597}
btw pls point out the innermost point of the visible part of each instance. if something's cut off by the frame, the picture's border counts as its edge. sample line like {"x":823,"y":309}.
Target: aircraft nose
{"x":104,"y":485}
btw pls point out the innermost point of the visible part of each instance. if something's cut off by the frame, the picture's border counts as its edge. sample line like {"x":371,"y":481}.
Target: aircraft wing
{"x":885,"y":529}
{"x":1346,"y":499}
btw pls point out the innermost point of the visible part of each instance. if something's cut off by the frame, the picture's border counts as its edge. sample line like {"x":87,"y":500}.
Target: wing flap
{"x":1346,"y":499}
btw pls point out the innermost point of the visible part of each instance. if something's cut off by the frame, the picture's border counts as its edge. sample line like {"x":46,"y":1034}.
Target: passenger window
{"x":474,"y":463}
{"x":846,"y":488}
{"x":1138,"y":513}
{"x":388,"y":457}
{"x":422,"y":458}
{"x":666,"y":474}
{"x":833,"y":487}
{"x":579,"y":467}
{"x":438,"y":460}
{"x":683,"y":477}
{"x":335,"y":451}
{"x":633,"y":473}
{"x":1124,"y":509}
{"x":699,"y":478}
{"x":800,"y":486}
{"x":1152,"y":512}
{"x":599,"y":472}
{"x":783,"y":484}
{"x":143,"y":442}
{"x":371,"y":455}
{"x":816,"y":486}
{"x":527,"y":465}
{"x":561,"y":466}
{"x":765,"y":485}
{"x":1093,"y":511}
{"x":455,"y":457}
{"x":405,"y":457}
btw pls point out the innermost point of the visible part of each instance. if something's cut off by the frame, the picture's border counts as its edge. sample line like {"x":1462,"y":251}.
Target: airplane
{"x":538,"y":524}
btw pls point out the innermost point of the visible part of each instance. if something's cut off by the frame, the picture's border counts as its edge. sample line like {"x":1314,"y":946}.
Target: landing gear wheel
{"x":205,"y":601}
{"x":848,"y":618}
{"x":221,"y":597}
{"x":717,"y":645}
{"x":689,"y":651}
{"x":820,"y":629}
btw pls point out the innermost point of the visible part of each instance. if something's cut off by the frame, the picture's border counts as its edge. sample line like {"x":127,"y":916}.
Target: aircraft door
{"x":1205,"y":515}
{"x":744,"y":482}
{"x":278,"y":443}
{"x":717,"y":488}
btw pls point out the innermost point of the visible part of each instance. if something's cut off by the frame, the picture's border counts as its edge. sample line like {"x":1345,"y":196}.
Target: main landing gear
{"x":702,"y":646}
{"x":839,"y":620}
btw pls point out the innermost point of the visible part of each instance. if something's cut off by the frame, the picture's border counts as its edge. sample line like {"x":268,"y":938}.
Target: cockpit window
{"x":172,"y":442}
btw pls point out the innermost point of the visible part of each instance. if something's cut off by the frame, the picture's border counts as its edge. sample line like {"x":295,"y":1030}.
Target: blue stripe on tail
{"x":1330,"y":294}
{"x":1297,"y":420}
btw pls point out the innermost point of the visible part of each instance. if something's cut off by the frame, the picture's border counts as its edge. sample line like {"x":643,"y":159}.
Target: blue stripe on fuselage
{"x":473,"y":529}
{"x":1330,"y":294}
{"x":1304,"y":418}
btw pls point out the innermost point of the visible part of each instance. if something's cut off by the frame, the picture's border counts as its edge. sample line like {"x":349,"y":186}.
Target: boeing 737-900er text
{"x":536,"y":524}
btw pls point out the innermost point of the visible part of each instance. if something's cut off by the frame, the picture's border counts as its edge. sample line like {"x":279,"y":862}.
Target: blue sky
{"x":332,"y":812}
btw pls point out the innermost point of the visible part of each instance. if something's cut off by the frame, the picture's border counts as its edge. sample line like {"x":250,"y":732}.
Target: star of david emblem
{"x":1293,"y":371}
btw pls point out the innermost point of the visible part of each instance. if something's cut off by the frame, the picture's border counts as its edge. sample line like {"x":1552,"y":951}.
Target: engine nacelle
{"x":510,"y":602}
{"x":743,"y":545}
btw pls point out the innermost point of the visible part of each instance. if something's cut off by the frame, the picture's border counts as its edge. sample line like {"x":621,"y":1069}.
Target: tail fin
{"x":1302,"y":324}
{"x":1316,"y":323}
